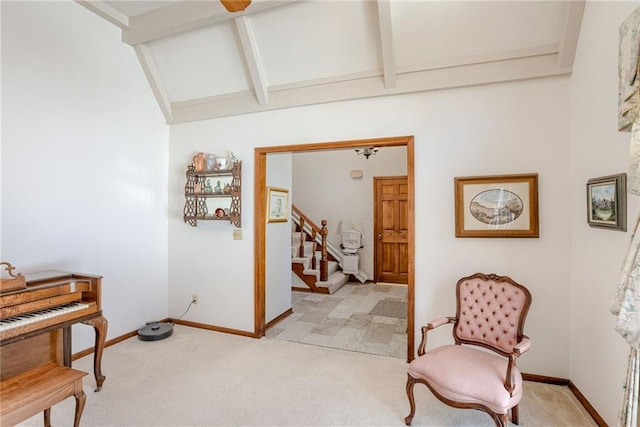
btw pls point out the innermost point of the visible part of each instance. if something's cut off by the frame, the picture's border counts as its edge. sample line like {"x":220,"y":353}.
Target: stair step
{"x":308,"y":249}
{"x":336,"y":278}
{"x":334,"y":282}
{"x":332,"y":267}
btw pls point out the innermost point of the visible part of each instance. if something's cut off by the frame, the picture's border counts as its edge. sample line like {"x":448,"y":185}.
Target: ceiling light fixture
{"x":367,"y":151}
{"x":235,"y":5}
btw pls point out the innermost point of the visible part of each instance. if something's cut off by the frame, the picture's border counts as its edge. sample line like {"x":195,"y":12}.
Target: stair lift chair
{"x":351,"y":244}
{"x":490,"y":315}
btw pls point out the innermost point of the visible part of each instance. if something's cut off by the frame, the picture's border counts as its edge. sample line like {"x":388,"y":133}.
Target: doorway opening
{"x":260,"y":203}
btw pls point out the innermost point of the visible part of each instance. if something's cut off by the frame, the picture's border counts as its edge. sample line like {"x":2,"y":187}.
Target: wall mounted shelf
{"x":213,"y":195}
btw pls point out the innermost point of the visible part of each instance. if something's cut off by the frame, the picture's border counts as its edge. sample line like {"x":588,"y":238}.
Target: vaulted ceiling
{"x":203,"y":61}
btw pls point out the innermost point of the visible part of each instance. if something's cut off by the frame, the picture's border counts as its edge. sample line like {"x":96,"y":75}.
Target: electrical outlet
{"x":194,"y":298}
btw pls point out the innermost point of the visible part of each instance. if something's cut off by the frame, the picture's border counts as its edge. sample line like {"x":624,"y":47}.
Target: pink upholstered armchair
{"x":490,"y":313}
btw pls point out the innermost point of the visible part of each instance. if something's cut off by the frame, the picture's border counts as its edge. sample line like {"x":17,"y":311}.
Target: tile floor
{"x":343,"y":320}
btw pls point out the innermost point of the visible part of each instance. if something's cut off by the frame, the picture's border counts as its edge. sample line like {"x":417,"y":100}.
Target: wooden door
{"x":391,"y":252}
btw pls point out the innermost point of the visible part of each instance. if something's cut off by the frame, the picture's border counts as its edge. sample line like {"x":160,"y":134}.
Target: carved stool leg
{"x":81,"y":398}
{"x":47,"y":417}
{"x":412,"y":403}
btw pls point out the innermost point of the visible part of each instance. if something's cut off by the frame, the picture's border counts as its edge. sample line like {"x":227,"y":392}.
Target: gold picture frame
{"x":497,"y":206}
{"x":277,"y":204}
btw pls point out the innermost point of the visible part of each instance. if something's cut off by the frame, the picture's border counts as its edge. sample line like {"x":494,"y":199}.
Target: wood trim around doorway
{"x":260,"y":177}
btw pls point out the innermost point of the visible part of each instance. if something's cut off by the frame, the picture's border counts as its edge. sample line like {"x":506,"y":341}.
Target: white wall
{"x":324,"y":189}
{"x":509,"y":128}
{"x":598,"y":353}
{"x":278,"y":242}
{"x":205,"y":259}
{"x":84,"y":160}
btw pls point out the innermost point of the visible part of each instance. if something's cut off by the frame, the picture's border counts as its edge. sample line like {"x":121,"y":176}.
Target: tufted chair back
{"x":490,"y":312}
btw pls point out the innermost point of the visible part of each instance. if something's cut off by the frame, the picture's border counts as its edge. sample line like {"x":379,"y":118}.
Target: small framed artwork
{"x":607,"y":202}
{"x":497,"y":206}
{"x":277,"y":204}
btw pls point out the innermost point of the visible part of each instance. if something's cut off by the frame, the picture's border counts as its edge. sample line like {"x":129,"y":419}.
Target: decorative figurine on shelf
{"x":207,"y":186}
{"x":210,"y":162}
{"x":227,"y":189}
{"x":218,"y":188}
{"x":199,"y":162}
{"x":197,"y":188}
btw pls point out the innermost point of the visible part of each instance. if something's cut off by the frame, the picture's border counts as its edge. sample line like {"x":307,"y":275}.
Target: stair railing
{"x":302,"y":239}
{"x":314,"y":232}
{"x":313,"y":246}
{"x":324,"y":261}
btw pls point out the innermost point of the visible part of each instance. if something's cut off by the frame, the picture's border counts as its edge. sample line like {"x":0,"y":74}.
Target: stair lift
{"x":351,"y":244}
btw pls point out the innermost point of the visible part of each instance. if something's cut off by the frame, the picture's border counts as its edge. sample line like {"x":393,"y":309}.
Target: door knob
{"x":379,"y":236}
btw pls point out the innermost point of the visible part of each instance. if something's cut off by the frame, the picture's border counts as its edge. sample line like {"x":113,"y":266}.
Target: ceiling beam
{"x":185,"y":16}
{"x":252,"y":58}
{"x":386,"y":44}
{"x":153,"y":77}
{"x":542,"y":50}
{"x":508,"y":70}
{"x":106,"y":11}
{"x":571,"y":31}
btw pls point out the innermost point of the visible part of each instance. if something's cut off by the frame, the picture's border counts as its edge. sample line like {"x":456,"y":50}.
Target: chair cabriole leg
{"x":514,"y":415}
{"x":412,"y":403}
{"x":502,"y":420}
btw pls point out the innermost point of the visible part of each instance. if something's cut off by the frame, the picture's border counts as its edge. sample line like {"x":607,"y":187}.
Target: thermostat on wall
{"x":357,"y":174}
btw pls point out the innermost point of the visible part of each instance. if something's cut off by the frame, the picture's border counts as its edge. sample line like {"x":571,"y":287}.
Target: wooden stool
{"x":38,"y":389}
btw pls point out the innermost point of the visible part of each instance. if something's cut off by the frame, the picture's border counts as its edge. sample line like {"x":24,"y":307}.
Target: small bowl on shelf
{"x":222,"y":163}
{"x":220,"y":213}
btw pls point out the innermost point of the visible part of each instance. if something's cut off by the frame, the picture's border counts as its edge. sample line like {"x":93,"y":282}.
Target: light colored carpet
{"x":204,"y":378}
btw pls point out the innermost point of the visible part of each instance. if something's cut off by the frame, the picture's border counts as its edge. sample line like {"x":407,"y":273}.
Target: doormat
{"x":390,"y":308}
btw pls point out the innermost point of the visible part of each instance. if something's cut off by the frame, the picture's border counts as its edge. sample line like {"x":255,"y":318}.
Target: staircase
{"x":318,"y":270}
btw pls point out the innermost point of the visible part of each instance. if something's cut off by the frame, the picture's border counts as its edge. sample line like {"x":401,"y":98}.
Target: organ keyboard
{"x":35,"y":321}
